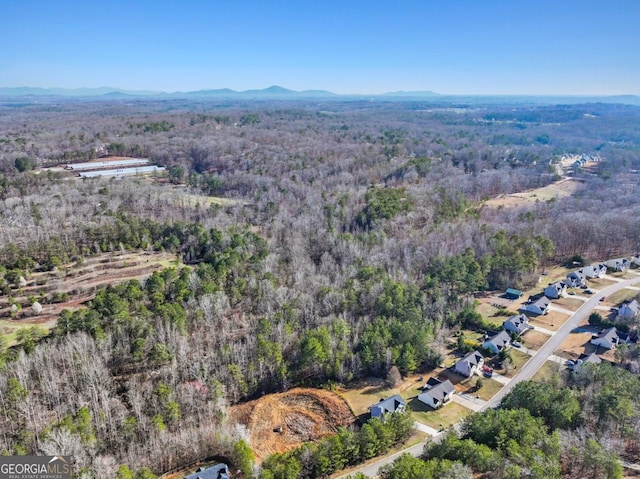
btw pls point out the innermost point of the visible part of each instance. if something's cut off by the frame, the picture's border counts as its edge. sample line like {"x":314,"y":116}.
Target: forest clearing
{"x":69,"y":286}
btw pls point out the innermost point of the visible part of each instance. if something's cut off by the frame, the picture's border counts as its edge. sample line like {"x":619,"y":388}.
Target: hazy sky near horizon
{"x":348,"y":46}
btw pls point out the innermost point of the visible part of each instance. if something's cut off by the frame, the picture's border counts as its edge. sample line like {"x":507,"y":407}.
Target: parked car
{"x":516,"y":344}
{"x":571,"y":293}
{"x":602,"y":299}
{"x":584,"y":286}
{"x":487,"y":372}
{"x":588,"y":291}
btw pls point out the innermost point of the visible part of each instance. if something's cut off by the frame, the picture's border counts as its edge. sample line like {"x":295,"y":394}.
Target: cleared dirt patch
{"x":303,"y":414}
{"x":560,"y":189}
{"x":572,"y":304}
{"x":552,"y":320}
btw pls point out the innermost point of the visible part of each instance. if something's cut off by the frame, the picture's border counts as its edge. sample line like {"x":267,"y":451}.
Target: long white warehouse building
{"x":142,"y":170}
{"x":94,"y":165}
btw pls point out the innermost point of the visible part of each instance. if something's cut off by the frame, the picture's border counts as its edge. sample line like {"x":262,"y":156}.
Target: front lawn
{"x":442,"y":418}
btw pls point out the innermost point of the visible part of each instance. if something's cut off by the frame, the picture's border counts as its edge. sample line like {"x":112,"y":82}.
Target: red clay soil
{"x":304,"y":414}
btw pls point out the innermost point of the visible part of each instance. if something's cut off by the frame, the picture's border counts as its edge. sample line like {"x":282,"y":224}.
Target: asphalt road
{"x":526,"y":373}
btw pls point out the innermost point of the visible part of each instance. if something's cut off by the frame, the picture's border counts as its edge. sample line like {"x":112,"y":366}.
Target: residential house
{"x":610,"y":338}
{"x":516,"y":324}
{"x":496,"y":342}
{"x":511,"y":293}
{"x":468,"y":365}
{"x":629,"y":310}
{"x":387,"y":406}
{"x":538,"y":307}
{"x":594,"y":271}
{"x":636,"y":259}
{"x":555,"y":290}
{"x":436,"y":393}
{"x":576,"y":279}
{"x":592,"y":358}
{"x":619,"y":264}
{"x":219,"y":471}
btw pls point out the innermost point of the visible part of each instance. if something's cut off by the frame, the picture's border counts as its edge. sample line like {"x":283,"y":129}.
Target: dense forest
{"x":351,"y":239}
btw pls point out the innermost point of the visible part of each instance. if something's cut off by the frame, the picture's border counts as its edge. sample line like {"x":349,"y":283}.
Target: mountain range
{"x":279,"y":93}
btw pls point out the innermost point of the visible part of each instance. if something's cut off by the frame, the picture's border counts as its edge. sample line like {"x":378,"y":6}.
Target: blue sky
{"x":348,"y":46}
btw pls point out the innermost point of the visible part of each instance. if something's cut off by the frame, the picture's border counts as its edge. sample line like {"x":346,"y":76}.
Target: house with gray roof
{"x":635,"y":259}
{"x":618,"y":264}
{"x":592,"y":358}
{"x":516,"y":324}
{"x":219,"y":471}
{"x":538,"y":307}
{"x":576,"y":279}
{"x":469,"y":364}
{"x":390,"y":405}
{"x":594,"y":271}
{"x":629,"y":310}
{"x":496,"y":342}
{"x":610,"y":338}
{"x":436,"y":393}
{"x":555,"y":290}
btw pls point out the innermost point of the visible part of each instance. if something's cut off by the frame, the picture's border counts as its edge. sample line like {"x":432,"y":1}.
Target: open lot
{"x":560,"y":189}
{"x":547,"y":371}
{"x":572,"y":304}
{"x":618,"y":297}
{"x":575,"y":344}
{"x":552,"y":320}
{"x":534,"y":339}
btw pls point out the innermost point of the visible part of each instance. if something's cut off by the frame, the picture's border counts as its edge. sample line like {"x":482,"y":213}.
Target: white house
{"x":629,"y":310}
{"x":594,"y":271}
{"x":592,"y":358}
{"x":468,"y":365}
{"x":609,"y":338}
{"x":576,"y":279}
{"x":516,"y":324}
{"x":618,"y":264}
{"x":390,"y":405}
{"x":555,"y":290}
{"x":636,"y":259}
{"x":539,"y":306}
{"x":436,"y":393}
{"x":496,"y":342}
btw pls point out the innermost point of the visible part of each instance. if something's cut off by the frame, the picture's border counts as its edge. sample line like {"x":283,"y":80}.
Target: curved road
{"x":526,"y":373}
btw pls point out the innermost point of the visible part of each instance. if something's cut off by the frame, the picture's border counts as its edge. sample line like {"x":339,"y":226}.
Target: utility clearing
{"x":560,"y":189}
{"x":279,"y":422}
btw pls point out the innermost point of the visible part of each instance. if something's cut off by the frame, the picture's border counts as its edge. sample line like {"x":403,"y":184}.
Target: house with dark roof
{"x":592,"y":358}
{"x":555,"y":290}
{"x":538,"y":307}
{"x":470,"y":364}
{"x":610,"y":338}
{"x":436,"y":393}
{"x":390,"y":405}
{"x":516,"y":324}
{"x":219,"y":471}
{"x":576,"y":279}
{"x":496,"y":342}
{"x":629,"y":310}
{"x":618,"y":264}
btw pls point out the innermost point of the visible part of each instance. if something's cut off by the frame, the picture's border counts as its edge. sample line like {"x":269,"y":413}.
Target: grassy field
{"x":490,"y":388}
{"x":552,"y":321}
{"x":560,"y":189}
{"x":546,"y":372}
{"x":444,"y":417}
{"x":534,"y":339}
{"x":519,"y":360}
{"x":574,"y":345}
{"x":623,"y":295}
{"x":572,"y":304}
